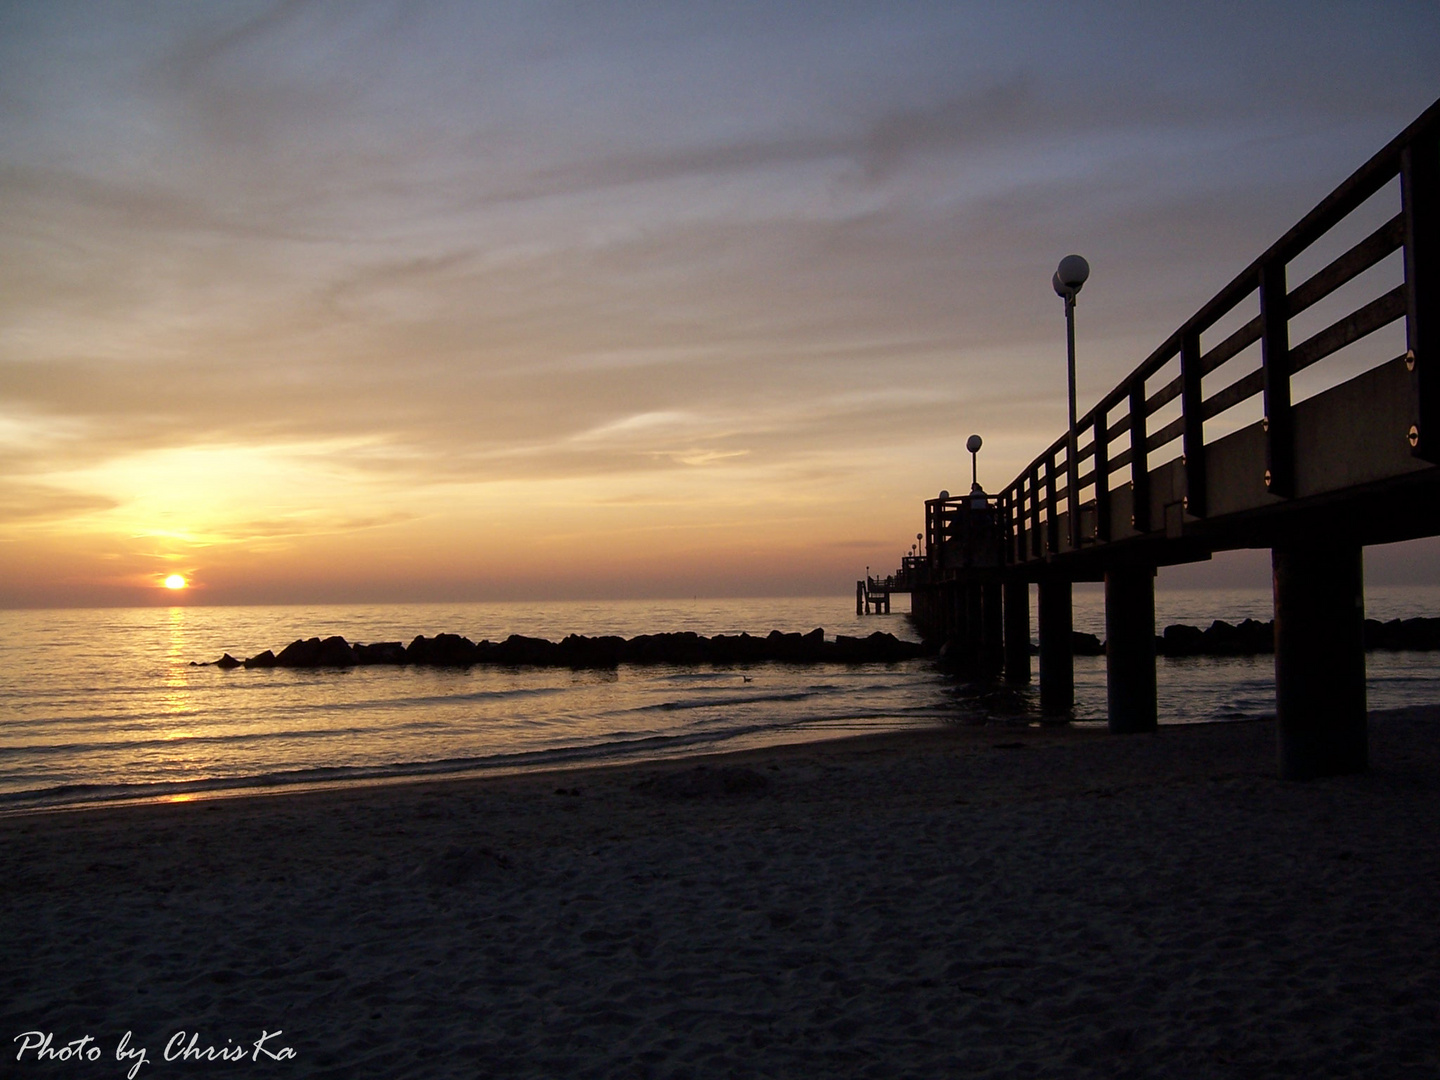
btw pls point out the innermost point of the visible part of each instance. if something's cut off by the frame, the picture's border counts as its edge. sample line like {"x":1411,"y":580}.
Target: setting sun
{"x":175,"y":581}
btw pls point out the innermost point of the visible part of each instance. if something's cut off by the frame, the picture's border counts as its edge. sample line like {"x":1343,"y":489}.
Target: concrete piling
{"x":1130,"y":648}
{"x":1320,"y":660}
{"x":1057,"y":648}
{"x":1017,"y":631}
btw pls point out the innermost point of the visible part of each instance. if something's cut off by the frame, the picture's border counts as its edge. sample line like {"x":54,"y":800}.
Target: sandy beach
{"x":974,"y":901}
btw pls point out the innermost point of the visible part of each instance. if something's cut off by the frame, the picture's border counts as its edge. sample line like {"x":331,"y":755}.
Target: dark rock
{"x":1420,"y":633}
{"x":443,"y":650}
{"x":455,"y":650}
{"x":887,"y":648}
{"x":264,"y":660}
{"x":847,"y":650}
{"x":300,"y":654}
{"x":1086,"y":644}
{"x":878,"y":648}
{"x":227,"y":662}
{"x":1221,"y":639}
{"x":1256,"y":637}
{"x":1250,"y":638}
{"x":737,"y":649}
{"x":520,"y":651}
{"x":813,"y":645}
{"x":643,"y":649}
{"x":577,"y":651}
{"x":312,"y":652}
{"x":1402,"y":634}
{"x":382,"y":652}
{"x":798,"y":648}
{"x":335,"y":652}
{"x":677,"y":648}
{"x":1182,"y":641}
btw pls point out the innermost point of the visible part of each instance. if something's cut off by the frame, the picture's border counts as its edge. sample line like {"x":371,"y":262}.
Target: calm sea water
{"x":104,"y":704}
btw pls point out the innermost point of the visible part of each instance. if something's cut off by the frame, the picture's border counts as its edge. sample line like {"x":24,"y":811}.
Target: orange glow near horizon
{"x":321,"y":528}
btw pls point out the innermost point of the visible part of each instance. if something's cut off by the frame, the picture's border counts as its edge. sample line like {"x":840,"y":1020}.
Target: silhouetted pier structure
{"x":872,"y":594}
{"x":1169,"y":467}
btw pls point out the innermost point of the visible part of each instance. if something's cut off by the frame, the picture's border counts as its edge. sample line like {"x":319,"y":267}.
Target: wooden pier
{"x":872,"y":596}
{"x":1166,"y":471}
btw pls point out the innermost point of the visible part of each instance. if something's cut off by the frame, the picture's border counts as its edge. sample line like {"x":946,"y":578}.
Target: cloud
{"x":27,"y":502}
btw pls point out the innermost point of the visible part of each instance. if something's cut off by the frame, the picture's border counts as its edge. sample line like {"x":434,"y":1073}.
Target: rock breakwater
{"x":578,"y":651}
{"x":1253,"y":638}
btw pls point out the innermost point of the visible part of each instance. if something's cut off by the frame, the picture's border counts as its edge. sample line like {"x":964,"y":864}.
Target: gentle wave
{"x":122,"y":746}
{"x":615,"y":747}
{"x":711,"y":703}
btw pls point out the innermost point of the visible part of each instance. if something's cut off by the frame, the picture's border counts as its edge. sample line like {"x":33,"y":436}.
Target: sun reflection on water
{"x":175,"y":679}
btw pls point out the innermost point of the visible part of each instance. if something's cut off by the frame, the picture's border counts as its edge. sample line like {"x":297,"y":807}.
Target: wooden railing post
{"x":1036,"y":550}
{"x":1022,"y":520}
{"x":1139,"y":469}
{"x":1193,"y":409}
{"x":1102,"y":476}
{"x":1072,"y":487}
{"x":1007,"y":514}
{"x":1052,"y":519}
{"x":1420,"y":196}
{"x":1275,"y":362}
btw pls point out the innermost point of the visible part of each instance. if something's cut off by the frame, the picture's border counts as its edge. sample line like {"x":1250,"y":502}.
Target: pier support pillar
{"x":1057,"y":649}
{"x":974,"y":621}
{"x":1017,"y":631}
{"x":994,"y":619}
{"x":1320,"y":660}
{"x":1130,"y":648}
{"x":955,"y":616}
{"x":992,"y":629}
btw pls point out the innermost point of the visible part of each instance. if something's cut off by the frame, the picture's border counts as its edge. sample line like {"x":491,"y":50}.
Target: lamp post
{"x":1068,"y":279}
{"x":978,"y":500}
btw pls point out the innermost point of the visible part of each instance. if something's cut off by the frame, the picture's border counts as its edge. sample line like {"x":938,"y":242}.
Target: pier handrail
{"x":1038,"y":494}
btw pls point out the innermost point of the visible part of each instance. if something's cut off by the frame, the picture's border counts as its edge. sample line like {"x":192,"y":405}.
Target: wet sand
{"x":983,"y":901}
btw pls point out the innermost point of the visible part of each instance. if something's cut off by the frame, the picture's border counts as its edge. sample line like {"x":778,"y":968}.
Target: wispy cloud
{"x":22,"y":502}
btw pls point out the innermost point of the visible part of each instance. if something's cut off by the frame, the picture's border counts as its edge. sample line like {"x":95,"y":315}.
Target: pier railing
{"x":964,"y":532}
{"x":1144,"y":463}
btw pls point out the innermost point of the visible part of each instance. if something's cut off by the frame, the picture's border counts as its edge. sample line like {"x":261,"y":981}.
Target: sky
{"x":325,"y":301}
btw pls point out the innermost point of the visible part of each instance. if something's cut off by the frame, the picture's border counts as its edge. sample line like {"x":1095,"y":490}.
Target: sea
{"x":108,"y":705}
